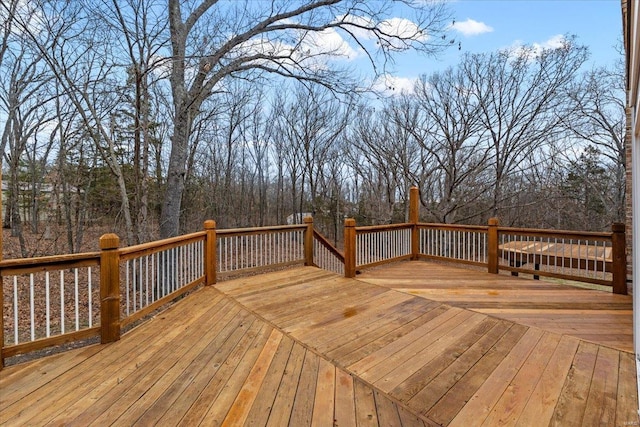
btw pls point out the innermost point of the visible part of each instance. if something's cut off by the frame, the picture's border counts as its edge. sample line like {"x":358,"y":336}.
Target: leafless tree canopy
{"x":149,"y":116}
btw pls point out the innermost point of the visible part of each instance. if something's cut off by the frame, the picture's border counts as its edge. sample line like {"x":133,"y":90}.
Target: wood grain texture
{"x":305,"y":347}
{"x":591,"y":315}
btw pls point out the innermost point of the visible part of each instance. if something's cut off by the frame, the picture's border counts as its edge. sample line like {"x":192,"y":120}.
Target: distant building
{"x":298,"y":218}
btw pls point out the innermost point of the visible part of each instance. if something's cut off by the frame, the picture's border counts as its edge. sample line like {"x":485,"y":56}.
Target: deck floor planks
{"x":559,"y":308}
{"x":426,"y":388}
{"x":345,"y":404}
{"x":366,"y":413}
{"x":421,"y":376}
{"x":372,"y":323}
{"x":242,"y":357}
{"x":302,"y":411}
{"x":323,"y":410}
{"x":493,"y":387}
{"x":277,"y":281}
{"x":173,"y":386}
{"x":240,"y":386}
{"x":509,"y":407}
{"x":412,"y":363}
{"x":572,"y":402}
{"x":424,"y":373}
{"x":544,"y":397}
{"x":390,"y":349}
{"x":143,"y":387}
{"x":309,"y":313}
{"x":353,"y":351}
{"x":14,"y":390}
{"x":281,"y":410}
{"x":246,"y":395}
{"x":186,"y":399}
{"x":388,"y":414}
{"x":627,"y":398}
{"x":75,"y":385}
{"x":455,"y":398}
{"x":264,"y":400}
{"x":402,"y":364}
{"x":601,"y":402}
{"x":349,"y":319}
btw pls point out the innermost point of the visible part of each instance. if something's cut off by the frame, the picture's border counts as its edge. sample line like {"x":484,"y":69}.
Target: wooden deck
{"x":306,"y":347}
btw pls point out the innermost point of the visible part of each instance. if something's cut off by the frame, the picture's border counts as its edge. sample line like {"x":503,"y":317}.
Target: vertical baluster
{"x":579,"y":258}
{"x":77,"y":308}
{"x":32,"y":307}
{"x":62,"y":302}
{"x":90,"y":296}
{"x":174,"y":264}
{"x":16,"y":335}
{"x":126,"y":281}
{"x":47,"y":301}
{"x":155,"y":277}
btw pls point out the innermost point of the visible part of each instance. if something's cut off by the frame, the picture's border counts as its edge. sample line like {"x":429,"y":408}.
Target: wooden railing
{"x":465,"y":244}
{"x":54,"y":300}
{"x":60,"y":299}
{"x":325,"y":255}
{"x":589,"y":257}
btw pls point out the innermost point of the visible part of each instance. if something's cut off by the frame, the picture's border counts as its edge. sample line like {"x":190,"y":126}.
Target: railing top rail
{"x":259,"y":230}
{"x":453,"y":226}
{"x":571,"y":234}
{"x":384,"y":227}
{"x":52,"y":262}
{"x":159,"y":245}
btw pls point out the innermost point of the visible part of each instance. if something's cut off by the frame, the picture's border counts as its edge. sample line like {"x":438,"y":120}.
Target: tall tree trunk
{"x":172,"y":200}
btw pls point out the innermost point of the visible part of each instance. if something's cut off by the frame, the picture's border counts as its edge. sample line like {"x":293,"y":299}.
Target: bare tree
{"x":143,"y":38}
{"x":451,"y":136}
{"x":597,"y":101}
{"x":24,"y":102}
{"x":519,"y":93}
{"x":213,"y":41}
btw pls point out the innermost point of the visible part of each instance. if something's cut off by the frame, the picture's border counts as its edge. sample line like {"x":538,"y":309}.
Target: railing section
{"x":326,"y":256}
{"x":376,"y":245}
{"x":153,"y":274}
{"x":578,"y":256}
{"x":258,"y":248}
{"x":463,"y":244}
{"x":50,"y":300}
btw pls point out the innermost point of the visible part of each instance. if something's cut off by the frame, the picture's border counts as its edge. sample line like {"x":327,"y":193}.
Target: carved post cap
{"x":109,"y":241}
{"x":618,"y":227}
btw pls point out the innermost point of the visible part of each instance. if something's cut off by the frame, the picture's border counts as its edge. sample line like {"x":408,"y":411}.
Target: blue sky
{"x":596,"y":23}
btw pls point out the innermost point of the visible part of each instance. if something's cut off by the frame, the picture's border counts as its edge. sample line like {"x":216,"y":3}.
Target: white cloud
{"x":471,"y":27}
{"x":534,"y":50}
{"x":394,"y":85}
{"x":326,"y":42}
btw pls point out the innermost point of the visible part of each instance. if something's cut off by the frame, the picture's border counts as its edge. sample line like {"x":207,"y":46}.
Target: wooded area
{"x":148,"y":117}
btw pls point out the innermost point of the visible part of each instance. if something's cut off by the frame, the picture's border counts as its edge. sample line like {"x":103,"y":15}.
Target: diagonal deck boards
{"x":311,"y":348}
{"x":444,"y":363}
{"x":596,"y":316}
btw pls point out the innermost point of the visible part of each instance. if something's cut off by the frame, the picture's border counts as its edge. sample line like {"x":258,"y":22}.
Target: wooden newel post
{"x":492,"y":242}
{"x":308,"y":241}
{"x":109,"y":288}
{"x":414,"y":209}
{"x":619,"y":258}
{"x":349,"y":247}
{"x":210,"y":250}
